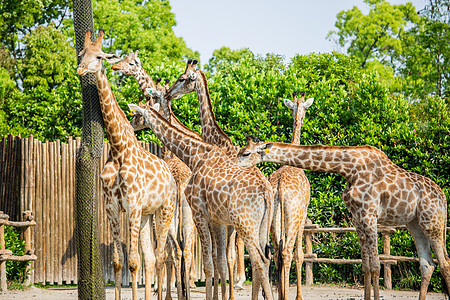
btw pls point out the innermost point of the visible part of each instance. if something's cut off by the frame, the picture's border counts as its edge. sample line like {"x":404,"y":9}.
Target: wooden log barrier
{"x":6,"y":255}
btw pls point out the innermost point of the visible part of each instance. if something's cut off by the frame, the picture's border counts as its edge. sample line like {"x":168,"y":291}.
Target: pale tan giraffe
{"x":131,"y":66}
{"x":134,"y":180}
{"x":291,"y":198}
{"x":212,"y":133}
{"x":377,"y":192}
{"x":220,"y":193}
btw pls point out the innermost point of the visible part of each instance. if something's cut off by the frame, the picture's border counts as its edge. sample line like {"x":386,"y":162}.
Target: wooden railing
{"x":5,"y":254}
{"x":386,"y":258}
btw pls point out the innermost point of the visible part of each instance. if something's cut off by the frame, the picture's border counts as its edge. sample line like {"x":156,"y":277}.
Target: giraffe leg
{"x":163,"y":218}
{"x":260,"y":271}
{"x":231,"y":258}
{"x":134,"y":218}
{"x":221,"y":263}
{"x":147,"y":254}
{"x":425,"y":259}
{"x":433,"y":225}
{"x":240,"y":263}
{"x":189,"y":240}
{"x":112,"y":212}
{"x":369,"y":256}
{"x":214,"y":258}
{"x":205,"y":239}
{"x":292,"y":230}
{"x":299,"y":256}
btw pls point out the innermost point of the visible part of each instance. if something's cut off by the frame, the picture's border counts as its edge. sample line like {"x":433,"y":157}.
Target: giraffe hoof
{"x":238,"y":287}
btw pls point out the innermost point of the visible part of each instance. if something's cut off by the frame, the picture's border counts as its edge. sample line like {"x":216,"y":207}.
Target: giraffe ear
{"x":112,"y":58}
{"x":156,"y":106}
{"x":265,"y":147}
{"x":308,"y":102}
{"x":135,"y":109}
{"x":288,"y":103}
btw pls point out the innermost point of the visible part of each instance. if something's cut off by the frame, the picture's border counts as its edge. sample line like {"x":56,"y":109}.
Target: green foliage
{"x":352,"y":107}
{"x":140,"y":25}
{"x":49,"y":58}
{"x":15,"y":270}
{"x":375,"y":35}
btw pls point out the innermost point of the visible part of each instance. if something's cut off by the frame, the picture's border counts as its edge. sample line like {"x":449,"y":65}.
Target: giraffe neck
{"x":118,"y":129}
{"x":145,"y":81}
{"x":186,"y":148}
{"x":211,"y":131}
{"x":175,"y":122}
{"x":298,"y":123}
{"x":346,"y":161}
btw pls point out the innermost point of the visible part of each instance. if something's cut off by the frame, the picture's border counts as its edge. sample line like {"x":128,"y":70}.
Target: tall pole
{"x":90,"y":270}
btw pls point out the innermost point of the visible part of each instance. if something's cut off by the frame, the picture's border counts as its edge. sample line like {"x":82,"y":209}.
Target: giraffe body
{"x":134,"y":180}
{"x":131,"y":66}
{"x":291,"y":198}
{"x":195,"y":80}
{"x":220,"y":193}
{"x":377,"y":192}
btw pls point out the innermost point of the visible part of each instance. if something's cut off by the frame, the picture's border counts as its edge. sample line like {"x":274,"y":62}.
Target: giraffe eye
{"x":99,"y":57}
{"x":246,"y":154}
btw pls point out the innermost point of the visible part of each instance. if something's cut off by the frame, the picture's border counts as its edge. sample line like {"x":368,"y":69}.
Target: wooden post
{"x":3,"y":284}
{"x":308,"y":252}
{"x":27,"y":216}
{"x":387,"y":267}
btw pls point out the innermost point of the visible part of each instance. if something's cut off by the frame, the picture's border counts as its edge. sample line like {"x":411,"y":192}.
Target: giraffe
{"x":291,"y":195}
{"x":212,"y":133}
{"x":131,"y":66}
{"x":377,"y":192}
{"x":220,"y":193}
{"x":134,"y":180}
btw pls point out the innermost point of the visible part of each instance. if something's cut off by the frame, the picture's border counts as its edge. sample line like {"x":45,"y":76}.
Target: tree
{"x":225,"y":54}
{"x":140,"y":25}
{"x":47,"y":57}
{"x":19,"y":17}
{"x":426,"y":68}
{"x":375,"y":35}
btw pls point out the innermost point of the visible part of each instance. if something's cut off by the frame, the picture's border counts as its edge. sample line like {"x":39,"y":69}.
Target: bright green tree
{"x":140,"y":25}
{"x":377,"y":35}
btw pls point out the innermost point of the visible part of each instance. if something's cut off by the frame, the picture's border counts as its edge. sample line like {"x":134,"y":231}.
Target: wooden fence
{"x":40,"y":177}
{"x":7,"y":255}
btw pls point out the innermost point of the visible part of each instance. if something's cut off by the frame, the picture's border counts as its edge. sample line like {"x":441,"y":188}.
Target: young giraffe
{"x":133,"y":180}
{"x":291,"y":195}
{"x":377,"y":192}
{"x":131,"y":66}
{"x":220,"y":193}
{"x":212,"y":133}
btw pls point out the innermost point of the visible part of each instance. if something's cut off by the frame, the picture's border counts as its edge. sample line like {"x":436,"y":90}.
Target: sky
{"x":285,"y":27}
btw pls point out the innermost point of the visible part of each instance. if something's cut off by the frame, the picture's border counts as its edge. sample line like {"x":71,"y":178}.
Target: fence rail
{"x":7,"y":255}
{"x":40,"y":177}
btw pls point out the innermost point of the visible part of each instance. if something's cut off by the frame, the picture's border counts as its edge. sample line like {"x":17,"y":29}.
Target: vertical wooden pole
{"x":387,"y":267}
{"x":2,"y":250}
{"x":308,"y":251}
{"x":27,"y":216}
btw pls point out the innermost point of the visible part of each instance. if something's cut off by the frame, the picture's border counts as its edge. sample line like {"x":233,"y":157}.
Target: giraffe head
{"x":140,"y":115}
{"x":92,"y":61}
{"x":298,"y":107}
{"x":253,"y":153}
{"x":130,"y":65}
{"x":185,"y":83}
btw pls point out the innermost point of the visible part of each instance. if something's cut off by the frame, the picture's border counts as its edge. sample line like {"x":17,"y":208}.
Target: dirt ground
{"x":314,"y":292}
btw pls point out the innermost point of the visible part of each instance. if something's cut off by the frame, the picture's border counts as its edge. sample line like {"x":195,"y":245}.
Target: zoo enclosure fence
{"x":39,"y":177}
